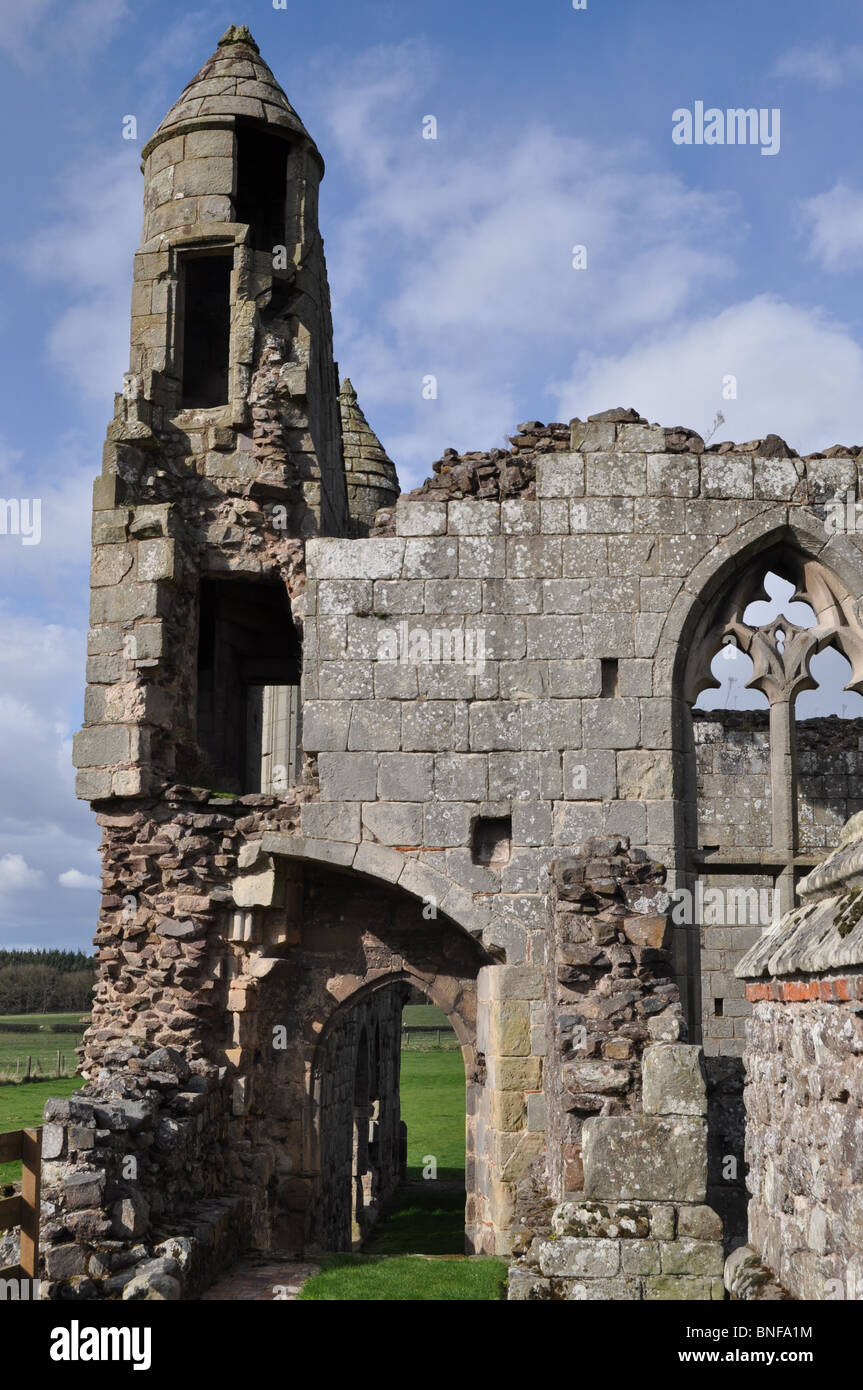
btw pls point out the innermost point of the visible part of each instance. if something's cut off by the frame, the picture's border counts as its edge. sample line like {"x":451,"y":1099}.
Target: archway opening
{"x":393,"y":1124}
{"x":426,"y":1213}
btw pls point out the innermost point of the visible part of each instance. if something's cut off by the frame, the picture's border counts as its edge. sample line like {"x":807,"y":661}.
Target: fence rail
{"x":24,"y":1145}
{"x":422,"y":1028}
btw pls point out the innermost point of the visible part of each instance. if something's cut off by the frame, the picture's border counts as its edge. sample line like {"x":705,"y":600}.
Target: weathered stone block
{"x":571,"y":1257}
{"x":461,"y":777}
{"x":417,"y":518}
{"x":406,"y":776}
{"x":673,"y":1080}
{"x":394,"y":823}
{"x":560,"y":475}
{"x":699,"y":1223}
{"x":468,"y":518}
{"x":671,"y":1288}
{"x":348,"y":776}
{"x":101,"y":745}
{"x":692,"y":1257}
{"x":611,"y":723}
{"x":648,"y":1158}
{"x":483,"y":558}
{"x":624,"y":1221}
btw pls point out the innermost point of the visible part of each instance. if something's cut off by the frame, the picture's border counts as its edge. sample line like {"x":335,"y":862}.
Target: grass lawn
{"x":21,"y":1108}
{"x":432,"y":1088}
{"x":355,"y":1278}
{"x":425,"y":1218}
{"x":39,"y":1042}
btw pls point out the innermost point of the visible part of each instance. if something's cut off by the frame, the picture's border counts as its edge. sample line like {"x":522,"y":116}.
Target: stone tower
{"x":225,"y":450}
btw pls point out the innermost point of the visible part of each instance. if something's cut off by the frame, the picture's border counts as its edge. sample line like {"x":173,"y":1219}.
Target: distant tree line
{"x":44,"y":982}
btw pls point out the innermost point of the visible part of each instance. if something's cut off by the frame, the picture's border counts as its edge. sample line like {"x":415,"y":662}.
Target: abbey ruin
{"x":343,"y":743}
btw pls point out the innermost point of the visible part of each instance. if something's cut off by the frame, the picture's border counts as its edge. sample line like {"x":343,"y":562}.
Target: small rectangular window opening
{"x":718,"y":1007}
{"x":206,"y":320}
{"x":610,"y":678}
{"x":492,"y":840}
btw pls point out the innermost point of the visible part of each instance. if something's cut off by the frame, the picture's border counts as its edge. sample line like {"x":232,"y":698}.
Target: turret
{"x":224,"y":453}
{"x":370,"y":473}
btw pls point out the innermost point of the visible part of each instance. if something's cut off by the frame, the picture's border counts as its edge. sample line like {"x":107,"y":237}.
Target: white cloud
{"x":73,"y":878}
{"x":88,"y":250}
{"x":837,"y":227}
{"x":455,"y":259}
{"x":823,"y":64}
{"x":798,"y":375}
{"x":16,"y":874}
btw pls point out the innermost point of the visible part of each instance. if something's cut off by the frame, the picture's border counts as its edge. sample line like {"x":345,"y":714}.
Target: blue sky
{"x":451,"y":257}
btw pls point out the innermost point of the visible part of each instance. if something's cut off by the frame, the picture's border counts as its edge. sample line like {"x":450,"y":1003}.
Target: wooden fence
{"x":23,"y":1211}
{"x":424,"y":1030}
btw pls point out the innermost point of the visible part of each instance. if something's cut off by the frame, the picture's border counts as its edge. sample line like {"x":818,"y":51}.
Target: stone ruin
{"x":342,"y":744}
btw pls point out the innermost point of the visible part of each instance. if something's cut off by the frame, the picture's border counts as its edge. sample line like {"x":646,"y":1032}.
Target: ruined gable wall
{"x":587,"y":569}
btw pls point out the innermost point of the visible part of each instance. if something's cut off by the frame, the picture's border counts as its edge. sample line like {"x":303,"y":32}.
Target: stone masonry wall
{"x":586,"y":555}
{"x":804,"y":1143}
{"x":205,"y":1099}
{"x":733,"y":763}
{"x":611,"y":938}
{"x":804,"y":1086}
{"x":641,"y":1229}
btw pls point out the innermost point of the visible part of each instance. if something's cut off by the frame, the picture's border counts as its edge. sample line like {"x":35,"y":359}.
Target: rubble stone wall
{"x":804,"y":1142}
{"x":612,"y":937}
{"x":804,"y":1087}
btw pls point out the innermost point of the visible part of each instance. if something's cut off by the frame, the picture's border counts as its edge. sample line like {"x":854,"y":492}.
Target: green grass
{"x":424,"y":1016}
{"x":370,"y":1278}
{"x":39,"y":1042}
{"x":423,"y":1219}
{"x":432,"y":1089}
{"x":21,"y":1108}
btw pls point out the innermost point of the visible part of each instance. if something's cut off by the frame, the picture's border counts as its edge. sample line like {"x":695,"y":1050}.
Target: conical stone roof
{"x":370,"y":473}
{"x":234,"y":82}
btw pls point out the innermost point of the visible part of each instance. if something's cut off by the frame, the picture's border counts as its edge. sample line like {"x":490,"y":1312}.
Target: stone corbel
{"x":257,"y":885}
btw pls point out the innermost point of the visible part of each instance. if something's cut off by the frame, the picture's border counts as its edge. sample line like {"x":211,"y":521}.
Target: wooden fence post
{"x":31,"y":1193}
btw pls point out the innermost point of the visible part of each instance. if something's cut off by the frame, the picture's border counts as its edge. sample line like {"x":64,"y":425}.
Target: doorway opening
{"x":426,"y":1213}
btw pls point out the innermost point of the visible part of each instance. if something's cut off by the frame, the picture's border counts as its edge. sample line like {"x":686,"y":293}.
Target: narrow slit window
{"x":610,"y":678}
{"x":206,"y":330}
{"x":262,"y":185}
